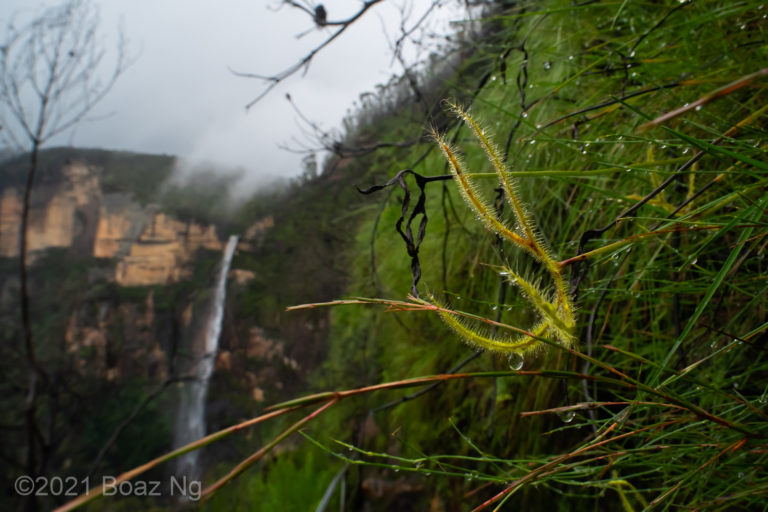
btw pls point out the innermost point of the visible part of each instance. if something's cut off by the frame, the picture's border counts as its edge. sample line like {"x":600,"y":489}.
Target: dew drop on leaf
{"x":515,"y":361}
{"x":567,"y":416}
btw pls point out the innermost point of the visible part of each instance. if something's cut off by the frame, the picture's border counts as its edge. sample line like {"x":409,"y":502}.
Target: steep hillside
{"x":658,"y":225}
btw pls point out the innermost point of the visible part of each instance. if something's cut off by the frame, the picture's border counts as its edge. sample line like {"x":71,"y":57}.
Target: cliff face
{"x":148,"y":246}
{"x":120,"y":291}
{"x":124,"y":288}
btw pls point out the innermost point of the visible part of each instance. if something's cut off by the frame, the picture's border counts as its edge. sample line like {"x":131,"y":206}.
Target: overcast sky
{"x":180,"y":98}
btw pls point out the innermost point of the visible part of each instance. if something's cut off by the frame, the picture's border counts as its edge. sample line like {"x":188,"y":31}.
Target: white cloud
{"x":180,"y":98}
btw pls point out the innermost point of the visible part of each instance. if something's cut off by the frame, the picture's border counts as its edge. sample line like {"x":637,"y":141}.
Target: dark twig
{"x":412,"y":244}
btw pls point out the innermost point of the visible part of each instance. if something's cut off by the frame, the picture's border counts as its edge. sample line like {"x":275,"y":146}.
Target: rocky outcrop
{"x":163,"y":250}
{"x":120,"y":340}
{"x":149,"y":246}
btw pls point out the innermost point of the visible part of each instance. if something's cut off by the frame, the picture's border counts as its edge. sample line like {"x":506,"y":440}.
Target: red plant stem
{"x":550,"y":465}
{"x":264,"y":450}
{"x":95,"y":493}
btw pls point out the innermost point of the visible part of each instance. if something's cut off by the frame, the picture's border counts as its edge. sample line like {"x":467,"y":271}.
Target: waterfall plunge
{"x":190,"y":420}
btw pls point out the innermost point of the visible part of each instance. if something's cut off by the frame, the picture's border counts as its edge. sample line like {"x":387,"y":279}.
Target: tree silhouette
{"x":52,"y":74}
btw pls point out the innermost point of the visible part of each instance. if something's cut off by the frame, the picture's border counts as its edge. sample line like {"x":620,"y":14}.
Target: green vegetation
{"x":140,"y":174}
{"x":666,"y":390}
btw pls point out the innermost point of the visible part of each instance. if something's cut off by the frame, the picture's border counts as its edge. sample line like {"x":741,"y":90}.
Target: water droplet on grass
{"x":515,"y":361}
{"x":547,"y":65}
{"x":567,"y":416}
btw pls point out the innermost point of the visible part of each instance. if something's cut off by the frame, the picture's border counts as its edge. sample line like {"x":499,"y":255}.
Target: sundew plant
{"x":557,"y":312}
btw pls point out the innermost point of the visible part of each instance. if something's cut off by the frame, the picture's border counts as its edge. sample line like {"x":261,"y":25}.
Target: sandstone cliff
{"x":148,"y":246}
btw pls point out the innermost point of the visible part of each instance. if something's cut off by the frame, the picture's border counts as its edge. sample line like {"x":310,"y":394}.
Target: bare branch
{"x":49,"y":81}
{"x":304,"y":63}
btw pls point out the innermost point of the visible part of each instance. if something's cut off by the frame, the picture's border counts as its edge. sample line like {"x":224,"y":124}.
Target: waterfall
{"x":190,"y":420}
